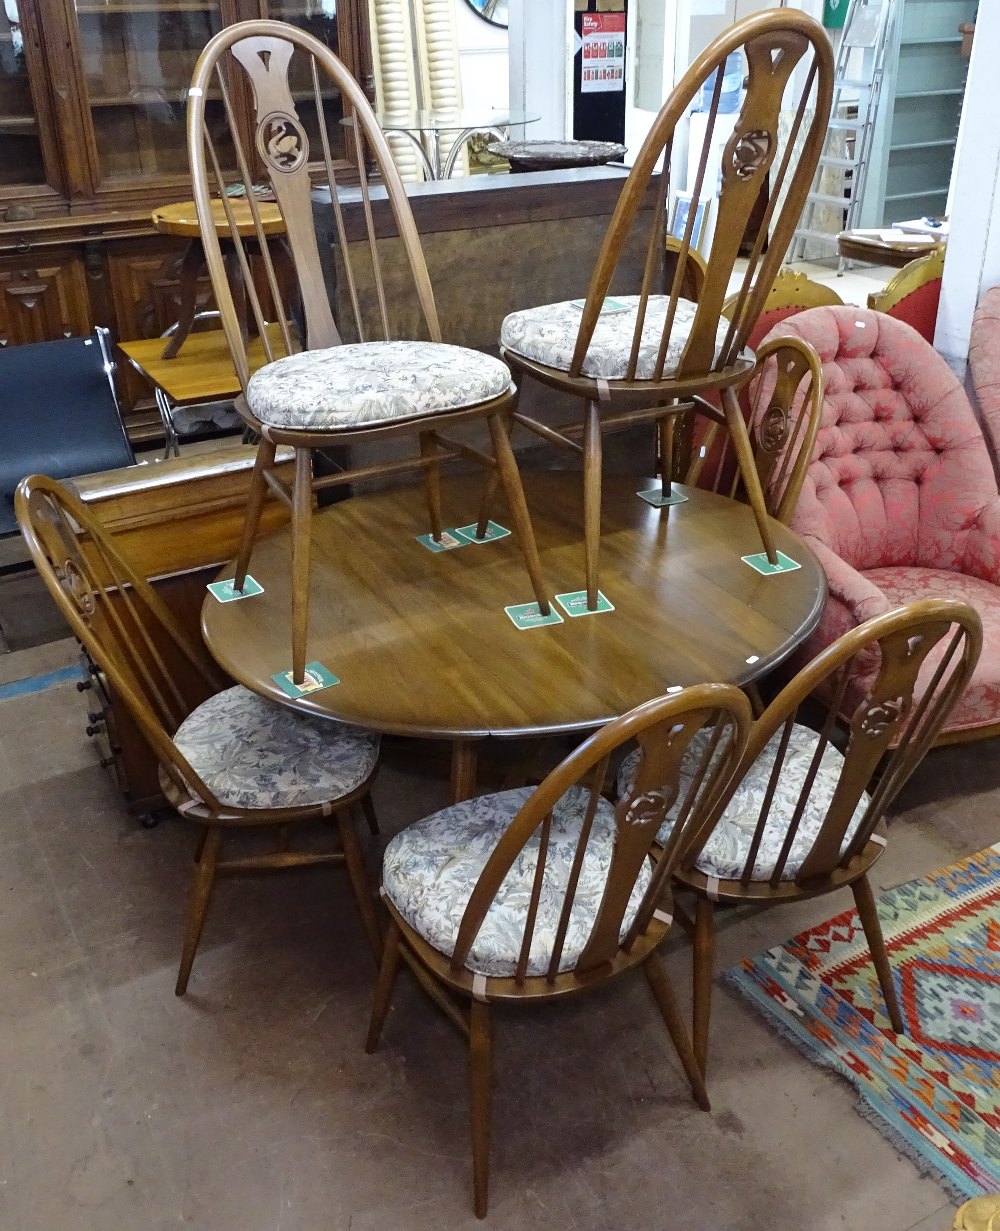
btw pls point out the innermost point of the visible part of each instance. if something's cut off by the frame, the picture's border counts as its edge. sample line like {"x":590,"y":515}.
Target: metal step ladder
{"x":843,"y":166}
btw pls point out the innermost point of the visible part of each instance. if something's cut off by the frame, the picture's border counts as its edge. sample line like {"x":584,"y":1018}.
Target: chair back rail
{"x":783,"y":407}
{"x":664,"y":729}
{"x":265,"y":57}
{"x":120,"y":620}
{"x":897,"y":676}
{"x":790,"y":68}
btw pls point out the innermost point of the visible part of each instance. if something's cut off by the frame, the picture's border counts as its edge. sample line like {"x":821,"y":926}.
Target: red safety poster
{"x":603,"y":52}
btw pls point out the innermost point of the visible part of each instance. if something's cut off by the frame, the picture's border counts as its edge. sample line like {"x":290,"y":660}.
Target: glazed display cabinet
{"x":92,"y":138}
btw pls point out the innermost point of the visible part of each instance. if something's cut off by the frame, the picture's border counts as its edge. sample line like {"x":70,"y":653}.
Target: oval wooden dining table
{"x":422,"y":645}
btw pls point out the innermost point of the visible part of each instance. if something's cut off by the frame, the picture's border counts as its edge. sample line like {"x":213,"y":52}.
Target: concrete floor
{"x":251,"y":1106}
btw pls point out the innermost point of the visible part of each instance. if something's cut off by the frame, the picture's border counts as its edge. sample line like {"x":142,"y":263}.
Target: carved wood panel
{"x":43,"y":297}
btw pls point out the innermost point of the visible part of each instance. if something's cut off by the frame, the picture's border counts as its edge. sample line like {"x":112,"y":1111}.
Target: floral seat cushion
{"x":431,"y":868}
{"x":371,"y":383}
{"x":548,"y":335}
{"x":255,"y":753}
{"x":725,"y":853}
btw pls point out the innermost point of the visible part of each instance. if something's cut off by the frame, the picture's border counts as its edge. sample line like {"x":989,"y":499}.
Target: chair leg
{"x":301,"y":530}
{"x":663,"y":992}
{"x":387,"y":971}
{"x":665,"y":452}
{"x":356,"y":874}
{"x":591,"y":498}
{"x":864,"y":900}
{"x":510,"y":477}
{"x":481,"y":1079}
{"x":704,"y":961}
{"x":748,"y":470}
{"x":255,"y":506}
{"x":368,"y":808}
{"x":192,"y":264}
{"x":492,"y":484}
{"x":201,"y":894}
{"x":432,"y":485}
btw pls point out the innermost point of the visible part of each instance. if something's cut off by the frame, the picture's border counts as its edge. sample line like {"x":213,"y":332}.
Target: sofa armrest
{"x":982,"y":548}
{"x":848,"y":588}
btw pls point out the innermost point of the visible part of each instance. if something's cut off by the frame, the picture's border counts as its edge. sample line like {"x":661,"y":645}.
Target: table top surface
{"x":182,"y":218}
{"x":867,"y":244}
{"x":202,"y":369}
{"x":422,"y":645}
{"x":447,"y":120}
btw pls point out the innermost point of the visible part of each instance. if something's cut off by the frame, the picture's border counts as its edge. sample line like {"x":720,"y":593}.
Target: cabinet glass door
{"x":319,"y":18}
{"x":137,"y":60}
{"x":21,"y":159}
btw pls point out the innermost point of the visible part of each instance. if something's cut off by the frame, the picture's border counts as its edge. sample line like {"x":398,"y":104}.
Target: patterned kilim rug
{"x":935,"y":1093}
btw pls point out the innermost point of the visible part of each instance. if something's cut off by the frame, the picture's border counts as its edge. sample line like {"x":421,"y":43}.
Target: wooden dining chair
{"x":229,"y":759}
{"x":805,"y":813}
{"x":317,"y":390}
{"x":782,"y":407}
{"x":651,"y":357}
{"x":532,"y":894}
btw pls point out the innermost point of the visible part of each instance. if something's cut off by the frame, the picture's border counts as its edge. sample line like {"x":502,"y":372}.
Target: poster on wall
{"x":603,"y":67}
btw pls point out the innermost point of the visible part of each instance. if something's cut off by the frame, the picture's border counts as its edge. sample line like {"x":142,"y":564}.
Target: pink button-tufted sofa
{"x":900,"y":501}
{"x":984,"y":363}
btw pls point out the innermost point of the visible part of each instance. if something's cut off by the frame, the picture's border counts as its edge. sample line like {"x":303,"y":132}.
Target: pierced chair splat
{"x":229,"y":759}
{"x":782,"y":407}
{"x":317,"y":390}
{"x":532,"y":894}
{"x":804,"y":814}
{"x":651,"y":357}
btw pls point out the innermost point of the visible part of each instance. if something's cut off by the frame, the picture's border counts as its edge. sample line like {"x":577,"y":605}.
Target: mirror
{"x":493,"y":11}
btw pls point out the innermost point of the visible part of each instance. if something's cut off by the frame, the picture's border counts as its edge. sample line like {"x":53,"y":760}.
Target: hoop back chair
{"x":228,"y":759}
{"x":650,"y":357}
{"x":531,"y":894}
{"x":804,"y":814}
{"x":783,"y":407}
{"x":315,"y":390}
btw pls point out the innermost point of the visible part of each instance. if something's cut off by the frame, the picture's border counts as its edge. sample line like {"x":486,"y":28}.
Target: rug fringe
{"x":735,"y":978}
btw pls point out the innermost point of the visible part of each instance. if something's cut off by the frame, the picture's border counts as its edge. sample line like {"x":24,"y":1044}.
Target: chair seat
{"x":431,"y":868}
{"x":725,"y":853}
{"x":979,"y":705}
{"x":372,"y":383}
{"x":255,"y":753}
{"x":548,"y":335}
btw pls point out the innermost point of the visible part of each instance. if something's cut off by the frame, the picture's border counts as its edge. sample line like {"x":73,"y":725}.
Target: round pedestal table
{"x":422,"y":646}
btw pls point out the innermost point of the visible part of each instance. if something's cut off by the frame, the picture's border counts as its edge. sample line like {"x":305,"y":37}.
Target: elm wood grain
{"x":124,"y":626}
{"x":423,"y":647}
{"x":265,"y":55}
{"x":617,"y":941}
{"x":790,"y":73}
{"x":924,"y":655}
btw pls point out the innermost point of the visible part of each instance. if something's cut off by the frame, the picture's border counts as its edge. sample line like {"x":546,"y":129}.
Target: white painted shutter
{"x":416,"y":66}
{"x":393,"y":66}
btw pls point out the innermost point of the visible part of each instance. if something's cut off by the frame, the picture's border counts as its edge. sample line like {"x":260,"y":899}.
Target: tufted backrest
{"x":900,"y":469}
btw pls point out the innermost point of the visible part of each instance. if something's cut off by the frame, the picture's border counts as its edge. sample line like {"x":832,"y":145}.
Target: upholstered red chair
{"x":900,"y":500}
{"x":984,"y":365}
{"x":914,"y":293}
